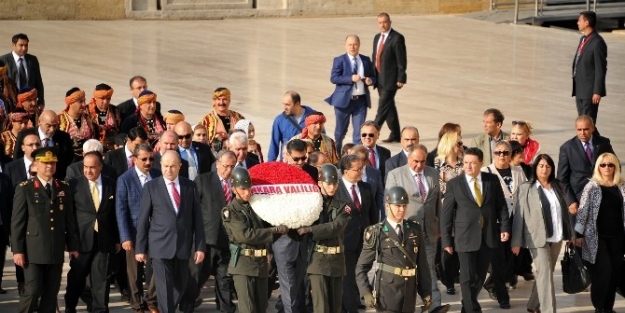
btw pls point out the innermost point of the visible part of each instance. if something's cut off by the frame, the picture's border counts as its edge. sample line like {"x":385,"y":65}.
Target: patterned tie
{"x":227,"y":191}
{"x":354,"y":70}
{"x":422,"y":191}
{"x":372,"y":158}
{"x":378,"y":53}
{"x":588,"y":152}
{"x":192,"y":165}
{"x":45,"y":142}
{"x":95,"y":197}
{"x":176,"y":195}
{"x":355,"y":197}
{"x":478,"y":193}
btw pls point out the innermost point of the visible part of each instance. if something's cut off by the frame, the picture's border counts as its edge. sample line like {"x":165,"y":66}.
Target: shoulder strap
{"x":399,"y":246}
{"x":288,"y":118}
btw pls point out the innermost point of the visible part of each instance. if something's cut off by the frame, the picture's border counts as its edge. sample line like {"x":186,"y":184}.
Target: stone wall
{"x":62,"y":9}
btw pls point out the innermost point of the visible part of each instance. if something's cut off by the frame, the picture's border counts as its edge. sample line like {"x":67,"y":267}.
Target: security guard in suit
{"x":249,"y":239}
{"x":41,"y":227}
{"x":326,"y":261}
{"x":398,"y":246}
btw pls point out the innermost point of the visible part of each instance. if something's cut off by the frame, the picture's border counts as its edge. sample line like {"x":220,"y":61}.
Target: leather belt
{"x":354,"y":98}
{"x":257,"y":253}
{"x":328,"y":250}
{"x":403,"y":272}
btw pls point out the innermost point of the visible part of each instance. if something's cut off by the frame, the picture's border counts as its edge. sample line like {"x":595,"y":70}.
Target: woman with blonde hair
{"x":521,"y":132}
{"x":600,"y":230}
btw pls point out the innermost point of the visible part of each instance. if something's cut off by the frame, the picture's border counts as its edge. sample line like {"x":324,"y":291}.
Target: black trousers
{"x":451,"y":268}
{"x":387,"y":112}
{"x":586,"y":107}
{"x":502,"y":267}
{"x":96,"y":265}
{"x":216,"y":264}
{"x":40,"y":280}
{"x":170,"y":277}
{"x":351,"y":296}
{"x":473,"y":268}
{"x":606,"y":271}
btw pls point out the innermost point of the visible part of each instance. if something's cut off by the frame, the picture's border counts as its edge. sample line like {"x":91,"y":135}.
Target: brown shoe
{"x":153,"y":310}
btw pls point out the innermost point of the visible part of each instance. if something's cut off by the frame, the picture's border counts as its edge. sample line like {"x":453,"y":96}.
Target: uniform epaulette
{"x":22,"y":184}
{"x":225,"y":213}
{"x":64,"y":182}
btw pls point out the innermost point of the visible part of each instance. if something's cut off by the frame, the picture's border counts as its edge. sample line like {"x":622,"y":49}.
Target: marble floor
{"x":457,"y":68}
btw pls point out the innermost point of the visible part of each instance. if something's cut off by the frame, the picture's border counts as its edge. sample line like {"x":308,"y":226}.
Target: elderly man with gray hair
{"x":237,"y":143}
{"x":76,"y":169}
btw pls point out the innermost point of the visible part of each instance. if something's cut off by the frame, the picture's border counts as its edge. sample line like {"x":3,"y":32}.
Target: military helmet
{"x":329,"y":174}
{"x":396,"y":195}
{"x":240,"y":178}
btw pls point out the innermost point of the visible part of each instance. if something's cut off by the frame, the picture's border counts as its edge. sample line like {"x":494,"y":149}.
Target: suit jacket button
{"x":51,"y":220}
{"x":51,"y":211}
{"x":406,"y":278}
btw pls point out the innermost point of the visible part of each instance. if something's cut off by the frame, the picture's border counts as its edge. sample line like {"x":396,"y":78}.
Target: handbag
{"x":575,"y":275}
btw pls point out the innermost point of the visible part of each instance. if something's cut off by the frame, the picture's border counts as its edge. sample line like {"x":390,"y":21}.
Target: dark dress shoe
{"x":504,"y":305}
{"x":2,"y":291}
{"x":528,"y":276}
{"x":451,"y":291}
{"x":390,"y":140}
{"x":492,"y":294}
{"x":441,"y":309}
{"x":532,"y":311}
{"x":362,"y":307}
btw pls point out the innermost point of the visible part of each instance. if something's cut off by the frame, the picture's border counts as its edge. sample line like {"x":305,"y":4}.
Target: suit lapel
{"x":485,"y":187}
{"x":161,"y":183}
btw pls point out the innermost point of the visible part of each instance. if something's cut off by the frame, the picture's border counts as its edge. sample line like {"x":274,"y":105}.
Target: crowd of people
{"x":139,"y":198}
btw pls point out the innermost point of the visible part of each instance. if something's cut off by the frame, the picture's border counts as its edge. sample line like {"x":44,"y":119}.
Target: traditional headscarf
{"x":103,"y":94}
{"x":221,"y":93}
{"x":26,"y":94}
{"x":243,"y":125}
{"x":75,"y":96}
{"x":145,"y":97}
{"x":173,"y":117}
{"x":312,"y":119}
{"x":18,"y":116}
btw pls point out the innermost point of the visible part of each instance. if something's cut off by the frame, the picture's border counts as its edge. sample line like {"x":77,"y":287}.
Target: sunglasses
{"x":504,"y":153}
{"x":370,"y":135}
{"x":187,"y":136}
{"x":298,"y":159}
{"x":609,"y":165}
{"x":514,"y":123}
{"x":459,"y":143}
{"x":145,"y":159}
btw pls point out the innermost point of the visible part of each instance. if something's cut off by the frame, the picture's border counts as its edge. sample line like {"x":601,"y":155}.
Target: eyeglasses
{"x":609,"y":165}
{"x":298,"y":159}
{"x":370,"y":135}
{"x":357,"y":169}
{"x":459,"y":143}
{"x":514,"y":123}
{"x":145,"y":159}
{"x":504,"y":153}
{"x":187,"y":136}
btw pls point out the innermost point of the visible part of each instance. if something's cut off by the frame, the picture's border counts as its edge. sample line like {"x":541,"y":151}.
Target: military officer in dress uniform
{"x":249,"y":239}
{"x":326,"y":259}
{"x":41,"y":227}
{"x":398,"y":246}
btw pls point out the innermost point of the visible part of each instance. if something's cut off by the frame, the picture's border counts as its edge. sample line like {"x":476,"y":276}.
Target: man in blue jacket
{"x":288,"y":124}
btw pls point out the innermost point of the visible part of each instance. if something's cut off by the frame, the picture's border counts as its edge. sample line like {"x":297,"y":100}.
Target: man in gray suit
{"x":492,"y":121}
{"x":421,"y":183}
{"x":169,"y":223}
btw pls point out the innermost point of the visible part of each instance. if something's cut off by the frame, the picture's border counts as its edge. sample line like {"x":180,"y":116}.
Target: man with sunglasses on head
{"x":198,"y":155}
{"x":127,"y":206}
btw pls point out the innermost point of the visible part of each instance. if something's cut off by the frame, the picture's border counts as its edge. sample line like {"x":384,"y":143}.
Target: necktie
{"x":579,"y":51}
{"x":354,"y":66}
{"x":22,"y":73}
{"x":546,"y":206}
{"x":45,"y":142}
{"x":49,"y":190}
{"x":176,"y":196}
{"x":227,"y":191}
{"x":131,"y":162}
{"x":422,"y":191}
{"x":400,"y":233}
{"x":588,"y":152}
{"x":372,"y":158}
{"x":95,"y":197}
{"x":478,"y":192}
{"x":378,"y":53}
{"x":144,"y":179}
{"x":192,"y":165}
{"x":355,"y":197}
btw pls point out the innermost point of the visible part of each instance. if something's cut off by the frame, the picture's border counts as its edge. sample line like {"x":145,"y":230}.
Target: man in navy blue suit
{"x":352,"y":73}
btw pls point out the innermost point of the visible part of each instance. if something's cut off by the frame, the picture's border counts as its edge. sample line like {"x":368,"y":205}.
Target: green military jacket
{"x":328,"y":231}
{"x":246,"y":230}
{"x":42,"y":226}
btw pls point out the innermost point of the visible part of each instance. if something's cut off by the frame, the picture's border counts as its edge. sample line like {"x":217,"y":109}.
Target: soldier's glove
{"x":282,"y":229}
{"x":304,"y":230}
{"x":427,"y":303}
{"x":369,"y":300}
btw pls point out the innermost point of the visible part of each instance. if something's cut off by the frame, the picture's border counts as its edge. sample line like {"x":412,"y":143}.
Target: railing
{"x":539,"y":6}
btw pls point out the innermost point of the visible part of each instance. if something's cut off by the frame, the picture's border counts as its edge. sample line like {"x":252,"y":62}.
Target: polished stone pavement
{"x":457,"y":68}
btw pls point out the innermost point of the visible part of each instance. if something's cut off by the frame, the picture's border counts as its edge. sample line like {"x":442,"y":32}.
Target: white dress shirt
{"x":349,"y":190}
{"x":556,"y":215}
{"x":143,"y":178}
{"x":98,"y":185}
{"x":17,"y":63}
{"x":359,"y":87}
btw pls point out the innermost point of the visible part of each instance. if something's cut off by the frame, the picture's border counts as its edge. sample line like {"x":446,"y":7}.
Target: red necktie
{"x":176,"y":195}
{"x":227,"y":192}
{"x":355,"y":197}
{"x":378,"y":53}
{"x":372,"y":158}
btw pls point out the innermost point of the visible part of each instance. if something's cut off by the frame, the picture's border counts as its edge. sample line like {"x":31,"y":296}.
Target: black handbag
{"x":575,"y":276}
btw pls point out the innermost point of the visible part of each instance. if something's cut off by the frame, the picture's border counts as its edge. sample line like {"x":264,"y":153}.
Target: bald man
{"x":169,"y":141}
{"x":198,"y":155}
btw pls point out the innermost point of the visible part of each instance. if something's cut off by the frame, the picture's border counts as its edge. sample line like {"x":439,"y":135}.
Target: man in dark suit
{"x":94,"y":208}
{"x":389,"y":57}
{"x":370,"y":133}
{"x":23,"y":67}
{"x":215,"y":192}
{"x":76,"y":169}
{"x":422,"y":184}
{"x":121,"y":159}
{"x":198,"y":155}
{"x":42,"y":228}
{"x":577,"y":159}
{"x":359,"y":197}
{"x":50,"y":136}
{"x":238,"y":145}
{"x":589,"y":67}
{"x":18,"y":169}
{"x":409,"y":139}
{"x":373,"y":177}
{"x":352,"y":73}
{"x":169,"y":141}
{"x":129,"y":107}
{"x":473,"y":204}
{"x":6,"y":204}
{"x":127,"y":206}
{"x":170,"y":227}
